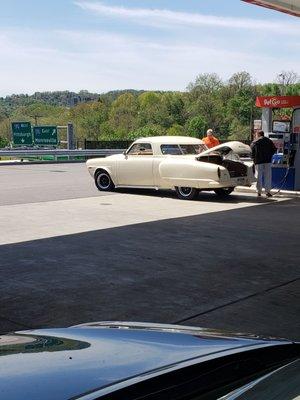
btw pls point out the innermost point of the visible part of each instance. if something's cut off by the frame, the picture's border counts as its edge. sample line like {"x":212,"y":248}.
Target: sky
{"x":140,"y":44}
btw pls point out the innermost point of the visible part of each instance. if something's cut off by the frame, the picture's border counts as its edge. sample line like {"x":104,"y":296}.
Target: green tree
{"x":269,"y":89}
{"x":172,"y":109}
{"x":239,"y":131}
{"x":240,"y":81}
{"x":123,"y":115}
{"x":240,"y":105}
{"x":197,"y":126}
{"x":205,"y":84}
{"x":3,"y":141}
{"x":41,"y":113}
{"x":176,"y":130}
{"x":147,"y":130}
{"x":107,"y":132}
{"x":286,"y":79}
{"x":205,"y":100}
{"x":5,"y":132}
{"x":88,"y":119}
{"x":149,"y":109}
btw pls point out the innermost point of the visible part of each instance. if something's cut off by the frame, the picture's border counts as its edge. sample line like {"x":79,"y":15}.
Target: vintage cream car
{"x":180,"y":163}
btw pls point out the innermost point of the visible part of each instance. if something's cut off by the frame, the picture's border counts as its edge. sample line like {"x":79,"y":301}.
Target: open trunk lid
{"x":239,"y":148}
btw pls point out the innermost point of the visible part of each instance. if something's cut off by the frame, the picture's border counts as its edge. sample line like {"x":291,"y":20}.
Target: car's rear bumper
{"x":208,"y":184}
{"x":240,"y":181}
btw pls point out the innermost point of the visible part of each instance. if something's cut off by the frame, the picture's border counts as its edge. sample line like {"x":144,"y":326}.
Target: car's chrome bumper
{"x":91,"y":171}
{"x":240,"y":181}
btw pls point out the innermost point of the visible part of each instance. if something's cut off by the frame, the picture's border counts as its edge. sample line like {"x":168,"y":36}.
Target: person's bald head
{"x":260,"y":134}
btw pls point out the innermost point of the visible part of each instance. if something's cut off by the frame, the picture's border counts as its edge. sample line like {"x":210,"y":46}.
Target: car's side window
{"x":141,"y":149}
{"x":171,"y":149}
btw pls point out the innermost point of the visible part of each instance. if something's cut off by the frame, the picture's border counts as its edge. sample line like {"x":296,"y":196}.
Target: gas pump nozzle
{"x":288,"y":150}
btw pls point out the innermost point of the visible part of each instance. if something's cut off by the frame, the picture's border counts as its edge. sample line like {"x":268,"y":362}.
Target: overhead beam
{"x":291,"y":7}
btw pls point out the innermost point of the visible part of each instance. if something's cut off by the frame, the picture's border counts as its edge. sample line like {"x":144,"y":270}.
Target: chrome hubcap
{"x":185,"y":191}
{"x":103,"y":181}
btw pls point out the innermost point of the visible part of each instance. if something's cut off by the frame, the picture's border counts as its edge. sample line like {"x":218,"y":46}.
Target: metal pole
{"x":70,"y":136}
{"x":36,"y":118}
{"x":251,"y":123}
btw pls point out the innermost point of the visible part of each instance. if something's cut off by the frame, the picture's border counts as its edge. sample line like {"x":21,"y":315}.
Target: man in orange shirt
{"x":210,"y":140}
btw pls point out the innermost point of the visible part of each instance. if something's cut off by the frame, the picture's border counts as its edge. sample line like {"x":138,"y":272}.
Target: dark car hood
{"x":62,"y":363}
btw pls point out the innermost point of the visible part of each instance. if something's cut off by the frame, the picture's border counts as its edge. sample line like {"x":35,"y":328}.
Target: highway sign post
{"x":21,"y":133}
{"x":71,"y":137}
{"x":45,"y":135}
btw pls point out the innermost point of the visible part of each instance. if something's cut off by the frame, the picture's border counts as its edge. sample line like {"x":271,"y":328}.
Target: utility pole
{"x":36,"y":118}
{"x":282,"y":76}
{"x":71,"y":137}
{"x":251,"y":123}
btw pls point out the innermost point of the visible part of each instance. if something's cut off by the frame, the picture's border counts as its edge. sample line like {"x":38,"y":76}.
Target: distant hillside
{"x":111,"y":96}
{"x":61,"y":98}
{"x":58,"y":98}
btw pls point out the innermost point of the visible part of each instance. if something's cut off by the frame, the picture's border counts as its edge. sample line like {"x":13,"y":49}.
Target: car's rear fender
{"x":190,"y":173}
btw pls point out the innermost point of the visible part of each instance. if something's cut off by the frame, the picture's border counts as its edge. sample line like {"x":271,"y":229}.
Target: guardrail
{"x":58,"y":152}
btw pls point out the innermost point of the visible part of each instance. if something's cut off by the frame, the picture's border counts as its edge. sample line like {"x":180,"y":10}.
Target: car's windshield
{"x":192,"y":148}
{"x":180,"y":149}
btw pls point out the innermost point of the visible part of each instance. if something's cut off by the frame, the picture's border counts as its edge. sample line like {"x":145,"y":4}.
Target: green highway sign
{"x":45,"y":135}
{"x":21,"y":133}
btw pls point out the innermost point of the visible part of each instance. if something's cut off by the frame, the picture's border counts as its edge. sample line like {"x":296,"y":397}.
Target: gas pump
{"x":285,"y":135}
{"x":295,"y":146}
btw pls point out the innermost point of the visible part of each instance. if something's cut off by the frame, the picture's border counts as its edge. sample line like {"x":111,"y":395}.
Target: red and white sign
{"x":296,"y":129}
{"x":277,"y":101}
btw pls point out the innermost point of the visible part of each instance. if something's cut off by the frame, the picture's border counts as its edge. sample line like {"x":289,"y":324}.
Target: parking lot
{"x":70,"y":254}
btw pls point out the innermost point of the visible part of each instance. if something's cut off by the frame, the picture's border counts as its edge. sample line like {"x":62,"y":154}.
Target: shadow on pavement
{"x":234,"y":198}
{"x":236,"y":270}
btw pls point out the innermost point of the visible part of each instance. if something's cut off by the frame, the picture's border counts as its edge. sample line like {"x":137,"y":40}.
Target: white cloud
{"x":99,"y":61}
{"x":164,"y":17}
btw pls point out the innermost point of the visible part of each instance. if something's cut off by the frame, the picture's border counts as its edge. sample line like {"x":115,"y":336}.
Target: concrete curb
{"x":284,"y":193}
{"x":40,"y":162}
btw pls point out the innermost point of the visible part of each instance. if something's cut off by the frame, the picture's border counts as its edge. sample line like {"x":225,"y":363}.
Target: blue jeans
{"x":264,"y":174}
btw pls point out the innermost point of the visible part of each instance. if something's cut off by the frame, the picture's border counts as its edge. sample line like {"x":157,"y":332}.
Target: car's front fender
{"x":96,"y":164}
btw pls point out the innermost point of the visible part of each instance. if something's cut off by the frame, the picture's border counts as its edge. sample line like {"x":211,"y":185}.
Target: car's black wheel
{"x":223,"y":192}
{"x":103,"y":181}
{"x":186,"y":193}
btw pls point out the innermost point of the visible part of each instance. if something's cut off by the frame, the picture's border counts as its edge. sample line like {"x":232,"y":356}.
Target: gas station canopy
{"x":287,"y":6}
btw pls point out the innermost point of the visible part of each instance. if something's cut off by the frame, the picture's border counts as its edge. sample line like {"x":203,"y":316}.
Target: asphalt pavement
{"x":23,"y":184}
{"x":70,"y":254}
